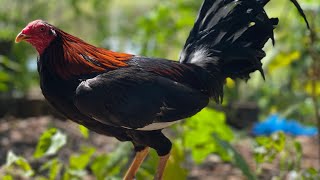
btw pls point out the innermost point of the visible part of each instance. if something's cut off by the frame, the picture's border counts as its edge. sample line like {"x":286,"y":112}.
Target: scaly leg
{"x":161,"y":166}
{"x":137,"y":161}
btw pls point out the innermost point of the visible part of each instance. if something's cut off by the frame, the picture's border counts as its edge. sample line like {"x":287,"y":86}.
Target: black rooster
{"x":132,"y":98}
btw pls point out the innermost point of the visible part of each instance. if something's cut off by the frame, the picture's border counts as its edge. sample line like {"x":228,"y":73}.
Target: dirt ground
{"x":21,"y":135}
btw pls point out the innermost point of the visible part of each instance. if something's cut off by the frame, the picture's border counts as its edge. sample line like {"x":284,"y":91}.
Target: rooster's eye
{"x":42,"y":29}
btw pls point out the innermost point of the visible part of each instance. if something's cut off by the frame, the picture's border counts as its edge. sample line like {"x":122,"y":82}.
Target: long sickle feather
{"x":301,"y":12}
{"x":295,"y":2}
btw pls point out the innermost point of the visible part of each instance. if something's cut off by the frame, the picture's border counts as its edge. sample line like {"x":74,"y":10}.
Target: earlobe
{"x":52,"y":32}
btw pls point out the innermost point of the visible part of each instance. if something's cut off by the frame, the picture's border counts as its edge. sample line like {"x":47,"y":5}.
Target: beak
{"x":20,"y":37}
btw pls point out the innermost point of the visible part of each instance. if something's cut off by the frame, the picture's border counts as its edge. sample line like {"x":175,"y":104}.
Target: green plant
{"x":287,"y":151}
{"x":197,"y":134}
{"x":18,"y":166}
{"x":195,"y":139}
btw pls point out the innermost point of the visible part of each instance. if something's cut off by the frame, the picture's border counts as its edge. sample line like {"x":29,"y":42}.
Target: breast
{"x":59,"y":93}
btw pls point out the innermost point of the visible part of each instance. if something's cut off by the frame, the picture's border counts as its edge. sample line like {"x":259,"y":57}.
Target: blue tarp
{"x":276,"y":123}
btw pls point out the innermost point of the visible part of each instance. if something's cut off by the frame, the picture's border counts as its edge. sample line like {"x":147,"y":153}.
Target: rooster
{"x":133,"y":98}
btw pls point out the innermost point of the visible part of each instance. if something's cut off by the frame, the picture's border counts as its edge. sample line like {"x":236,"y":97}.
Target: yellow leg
{"x":161,"y":166}
{"x":137,"y":161}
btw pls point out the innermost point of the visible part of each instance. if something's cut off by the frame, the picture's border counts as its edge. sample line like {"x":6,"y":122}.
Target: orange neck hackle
{"x":81,"y":58}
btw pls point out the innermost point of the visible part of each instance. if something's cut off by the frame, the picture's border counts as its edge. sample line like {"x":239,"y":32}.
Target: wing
{"x":137,"y":99}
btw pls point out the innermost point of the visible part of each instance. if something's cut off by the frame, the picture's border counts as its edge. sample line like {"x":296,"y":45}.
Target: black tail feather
{"x":301,"y":12}
{"x":229,"y":35}
{"x":295,"y":2}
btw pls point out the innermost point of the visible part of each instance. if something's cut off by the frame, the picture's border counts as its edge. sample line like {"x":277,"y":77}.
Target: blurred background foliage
{"x":159,"y":29}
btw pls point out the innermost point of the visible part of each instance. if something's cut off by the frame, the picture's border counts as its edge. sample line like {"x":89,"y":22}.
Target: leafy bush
{"x":287,"y":151}
{"x":199,"y":136}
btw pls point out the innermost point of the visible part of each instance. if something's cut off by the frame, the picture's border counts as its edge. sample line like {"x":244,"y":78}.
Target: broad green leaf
{"x":237,"y":158}
{"x":54,"y":170}
{"x":50,"y":143}
{"x":54,"y":166}
{"x":99,"y":166}
{"x":58,"y":140}
{"x":20,"y":162}
{"x":230,"y":83}
{"x":66,"y":176}
{"x":198,"y":132}
{"x":11,"y":158}
{"x":7,"y":177}
{"x":84,"y":131}
{"x":111,"y":164}
{"x":25,"y":166}
{"x":79,"y":162}
{"x":76,"y":173}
